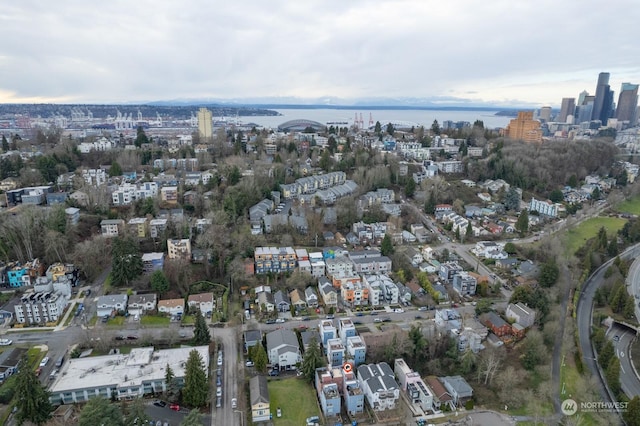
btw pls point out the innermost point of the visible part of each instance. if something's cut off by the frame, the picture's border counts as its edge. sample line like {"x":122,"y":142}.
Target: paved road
{"x":622,"y":344}
{"x":584,"y":320}
{"x":233,"y":376}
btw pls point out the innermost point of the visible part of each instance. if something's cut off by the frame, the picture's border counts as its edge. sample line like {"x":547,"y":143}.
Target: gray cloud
{"x":499,"y":51}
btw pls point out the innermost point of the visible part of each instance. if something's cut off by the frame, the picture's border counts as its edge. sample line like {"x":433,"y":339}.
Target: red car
{"x":38,"y":371}
{"x":175,"y":407}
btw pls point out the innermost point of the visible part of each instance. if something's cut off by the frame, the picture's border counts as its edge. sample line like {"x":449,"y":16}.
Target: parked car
{"x":175,"y":407}
{"x":159,"y":403}
{"x":119,"y":337}
{"x":219,"y":402}
{"x":219,"y":391}
{"x":274,"y":373}
{"x":249,"y":364}
{"x":280,"y":320}
{"x":132,"y":337}
{"x":377,"y":320}
{"x":38,"y":371}
{"x":44,"y":361}
{"x":105,"y":319}
{"x":234,"y":403}
{"x":218,"y":381}
{"x":278,"y":412}
{"x":306,"y":319}
{"x":270,"y":321}
{"x":87,"y":293}
{"x":5,"y":342}
{"x":359,"y":314}
{"x":422,"y":308}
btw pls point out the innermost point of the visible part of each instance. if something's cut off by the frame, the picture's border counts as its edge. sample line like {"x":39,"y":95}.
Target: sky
{"x":448,"y":52}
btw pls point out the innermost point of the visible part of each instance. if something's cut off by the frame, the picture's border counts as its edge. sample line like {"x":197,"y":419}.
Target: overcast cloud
{"x":504,"y":52}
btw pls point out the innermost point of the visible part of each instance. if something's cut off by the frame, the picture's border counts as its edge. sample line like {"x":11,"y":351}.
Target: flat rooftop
{"x":140,"y":365}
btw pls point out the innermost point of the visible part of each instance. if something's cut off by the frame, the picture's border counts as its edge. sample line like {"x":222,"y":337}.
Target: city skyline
{"x":404,"y":52}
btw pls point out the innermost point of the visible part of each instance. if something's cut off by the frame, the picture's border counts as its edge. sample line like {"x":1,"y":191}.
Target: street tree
{"x":100,"y":411}
{"x":171,"y":383}
{"x":312,"y":360}
{"x":159,"y":282}
{"x":410,"y":188}
{"x":32,"y":398}
{"x":201,"y":335}
{"x":195,"y":392}
{"x":512,"y":199}
{"x":126,"y":263}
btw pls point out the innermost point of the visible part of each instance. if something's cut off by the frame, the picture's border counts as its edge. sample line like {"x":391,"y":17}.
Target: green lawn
{"x":117,"y":320}
{"x":576,"y":237}
{"x":188,"y":320}
{"x":631,"y":205}
{"x":154,"y":320}
{"x":296,"y":398}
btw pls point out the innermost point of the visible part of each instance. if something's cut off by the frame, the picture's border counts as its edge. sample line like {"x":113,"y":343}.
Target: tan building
{"x":169,"y":194}
{"x":524,"y":127}
{"x":179,"y":249}
{"x":205,"y":123}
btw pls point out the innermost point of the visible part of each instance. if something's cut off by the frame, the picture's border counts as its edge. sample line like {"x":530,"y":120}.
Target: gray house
{"x":107,"y":305}
{"x":9,"y":361}
{"x":282,"y":302}
{"x":458,"y":388}
{"x":311,"y":297}
{"x":252,"y":338}
{"x":283,"y":349}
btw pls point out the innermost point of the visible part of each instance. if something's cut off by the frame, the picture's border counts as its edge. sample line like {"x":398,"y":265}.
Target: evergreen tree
{"x":612,"y":374}
{"x":194,"y":418}
{"x":435,"y":127}
{"x":606,"y":355}
{"x":549,"y":273}
{"x":201,"y":335}
{"x":126,"y":262}
{"x":159,"y":282}
{"x":469,"y":231}
{"x":31,"y":397}
{"x":5,"y":144}
{"x":390,"y":129}
{"x":135,"y":413}
{"x":115,"y":170}
{"x":259,"y":357}
{"x":632,"y":415}
{"x":556,"y":196}
{"x":512,"y":199}
{"x":386,"y":247}
{"x":100,"y":411}
{"x":522,"y":224}
{"x":141,"y":137}
{"x":418,"y":343}
{"x":312,"y":360}
{"x":612,"y":248}
{"x":410,"y":188}
{"x":378,"y":128}
{"x":629,"y":308}
{"x":195,"y":392}
{"x":170,"y":382}
{"x":430,"y":205}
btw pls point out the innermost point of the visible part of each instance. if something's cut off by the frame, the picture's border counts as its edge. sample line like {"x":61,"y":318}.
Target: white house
{"x":202,"y":301}
{"x":139,"y":303}
{"x":379,"y":386}
{"x":283,"y":348}
{"x":107,"y":305}
{"x":171,"y":306}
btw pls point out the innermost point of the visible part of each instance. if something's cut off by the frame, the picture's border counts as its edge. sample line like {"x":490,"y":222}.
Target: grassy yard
{"x":296,"y":398}
{"x":631,"y":205}
{"x":576,"y":237}
{"x":154,"y":320}
{"x":117,"y":320}
{"x":188,"y":320}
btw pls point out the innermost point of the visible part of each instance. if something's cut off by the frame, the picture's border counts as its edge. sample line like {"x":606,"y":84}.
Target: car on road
{"x":306,"y":319}
{"x":422,"y":308}
{"x":119,"y":337}
{"x":44,"y":361}
{"x":398,"y":310}
{"x":219,"y":391}
{"x":356,"y":322}
{"x":271,"y":321}
{"x":87,"y":293}
{"x":218,"y":381}
{"x":386,"y":319}
{"x":377,"y":320}
{"x":616,"y":338}
{"x":374,"y":313}
{"x":330,"y":316}
{"x":274,"y":373}
{"x":174,"y":407}
{"x":219,"y":361}
{"x":359,"y":314}
{"x":249,"y":364}
{"x":280,"y":320}
{"x":219,"y":402}
{"x":5,"y":342}
{"x":132,"y":337}
{"x":234,"y":403}
{"x":159,"y":403}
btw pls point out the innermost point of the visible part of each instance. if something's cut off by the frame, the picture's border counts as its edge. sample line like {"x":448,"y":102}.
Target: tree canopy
{"x":195,"y":392}
{"x":201,"y":335}
{"x":126,"y":261}
{"x":32,"y":398}
{"x":100,"y":411}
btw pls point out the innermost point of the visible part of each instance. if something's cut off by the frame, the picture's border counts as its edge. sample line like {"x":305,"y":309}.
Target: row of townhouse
{"x":463,"y":282}
{"x":190,"y":164}
{"x":282,"y":301}
{"x":341,"y":343}
{"x":379,"y":196}
{"x":139,"y":304}
{"x":312,"y":184}
{"x":126,"y":193}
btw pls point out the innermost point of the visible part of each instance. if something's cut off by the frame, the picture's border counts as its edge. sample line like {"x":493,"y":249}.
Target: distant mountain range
{"x":442,"y":103}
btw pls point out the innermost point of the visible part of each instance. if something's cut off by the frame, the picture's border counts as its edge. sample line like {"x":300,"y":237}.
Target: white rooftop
{"x":141,"y":364}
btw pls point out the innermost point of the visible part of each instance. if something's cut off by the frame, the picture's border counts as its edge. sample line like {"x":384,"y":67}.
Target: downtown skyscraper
{"x":603,"y":102}
{"x":628,"y":103}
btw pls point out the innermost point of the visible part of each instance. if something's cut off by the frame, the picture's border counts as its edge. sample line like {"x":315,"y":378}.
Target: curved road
{"x":584,"y":321}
